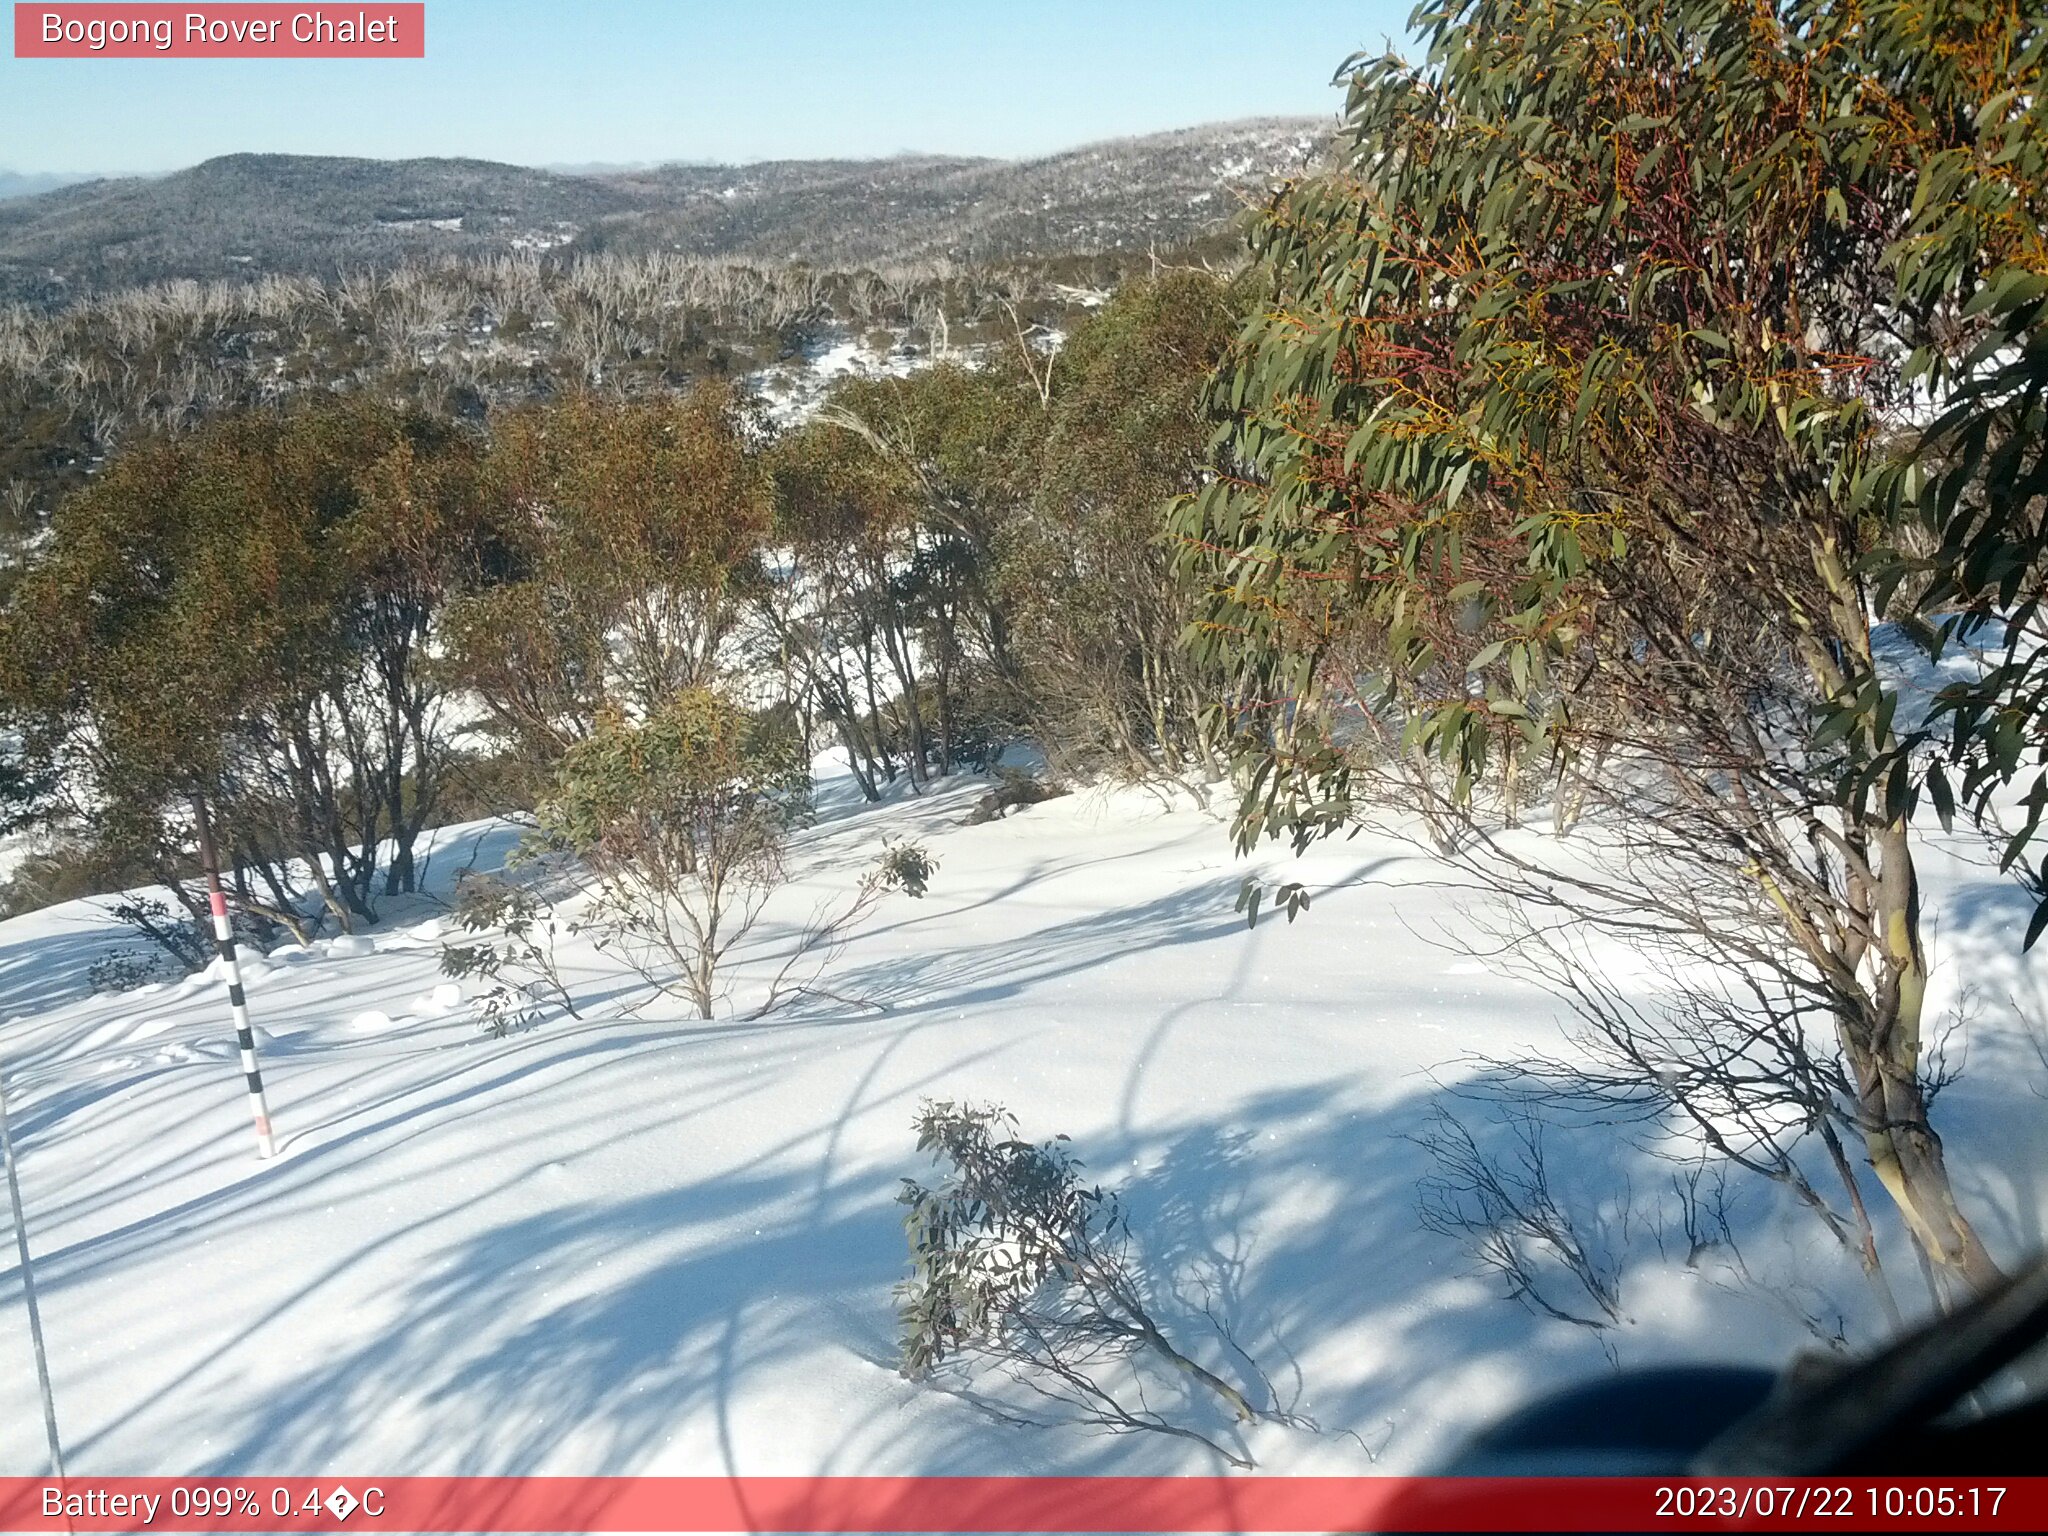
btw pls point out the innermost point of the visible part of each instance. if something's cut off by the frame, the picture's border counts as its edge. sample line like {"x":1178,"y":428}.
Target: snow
{"x":642,"y":1243}
{"x":15,"y":847}
{"x":793,"y":392}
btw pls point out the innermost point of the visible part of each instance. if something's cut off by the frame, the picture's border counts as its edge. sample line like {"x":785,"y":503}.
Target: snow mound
{"x":444,"y":999}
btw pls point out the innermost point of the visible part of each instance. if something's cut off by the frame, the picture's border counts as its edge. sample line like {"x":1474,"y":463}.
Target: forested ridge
{"x":255,"y":215}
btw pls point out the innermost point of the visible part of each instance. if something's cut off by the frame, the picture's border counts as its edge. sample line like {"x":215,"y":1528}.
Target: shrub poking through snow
{"x":905,"y":867}
{"x":181,"y":946}
{"x":1016,"y":1263}
{"x":518,"y":965}
{"x":683,"y":818}
{"x":127,"y":969}
{"x":176,"y":946}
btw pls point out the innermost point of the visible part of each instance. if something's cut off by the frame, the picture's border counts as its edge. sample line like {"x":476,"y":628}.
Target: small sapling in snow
{"x":1017,"y":1264}
{"x":518,"y":965}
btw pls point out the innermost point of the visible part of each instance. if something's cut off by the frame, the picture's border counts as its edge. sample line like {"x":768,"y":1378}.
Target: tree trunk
{"x":399,"y":877}
{"x":1883,"y":1048}
{"x":1880,"y":1031}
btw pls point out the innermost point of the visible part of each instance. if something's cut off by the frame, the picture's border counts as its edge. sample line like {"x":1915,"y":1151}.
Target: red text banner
{"x":235,"y":31}
{"x":989,"y":1504}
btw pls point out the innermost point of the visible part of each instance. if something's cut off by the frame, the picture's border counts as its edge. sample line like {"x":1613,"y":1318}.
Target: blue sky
{"x":576,"y":81}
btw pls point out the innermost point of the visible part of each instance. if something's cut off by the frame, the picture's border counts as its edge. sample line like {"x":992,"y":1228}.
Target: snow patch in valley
{"x":792,"y":392}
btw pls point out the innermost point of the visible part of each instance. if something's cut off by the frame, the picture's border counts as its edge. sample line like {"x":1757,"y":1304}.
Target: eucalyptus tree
{"x":1557,"y":423}
{"x":626,"y":528}
{"x":244,"y":613}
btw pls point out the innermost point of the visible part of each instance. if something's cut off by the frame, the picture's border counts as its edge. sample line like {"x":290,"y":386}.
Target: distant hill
{"x":1164,"y":190}
{"x":16,"y":184}
{"x":248,"y":214}
{"x":280,"y":213}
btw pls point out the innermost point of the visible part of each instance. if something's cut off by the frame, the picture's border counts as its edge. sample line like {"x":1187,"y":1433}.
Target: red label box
{"x":1059,"y":1506}
{"x":371,"y":30}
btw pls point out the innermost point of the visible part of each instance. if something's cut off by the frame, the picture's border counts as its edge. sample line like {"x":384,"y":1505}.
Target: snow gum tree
{"x":1082,"y":573}
{"x":968,"y":549}
{"x":242,"y":613}
{"x":1553,"y":429}
{"x":626,"y":524}
{"x":1966,"y":490}
{"x":954,"y":444}
{"x":830,"y":594}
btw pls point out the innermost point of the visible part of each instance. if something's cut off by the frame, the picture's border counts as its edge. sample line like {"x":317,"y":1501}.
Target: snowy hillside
{"x":249,"y":215}
{"x":645,"y":1244}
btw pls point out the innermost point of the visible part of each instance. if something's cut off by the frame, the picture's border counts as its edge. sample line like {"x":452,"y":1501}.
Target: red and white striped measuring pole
{"x":238,"y":1000}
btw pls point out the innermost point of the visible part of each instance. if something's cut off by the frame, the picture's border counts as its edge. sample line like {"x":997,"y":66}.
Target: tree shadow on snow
{"x":592,"y":1335}
{"x":743,"y":1320}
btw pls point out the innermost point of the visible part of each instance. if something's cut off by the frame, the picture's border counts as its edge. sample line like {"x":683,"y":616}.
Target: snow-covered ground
{"x":792,"y":392}
{"x":655,"y":1245}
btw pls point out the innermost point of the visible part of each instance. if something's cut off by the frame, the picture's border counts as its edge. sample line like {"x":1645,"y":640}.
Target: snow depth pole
{"x":238,"y":1000}
{"x":28,"y":1287}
